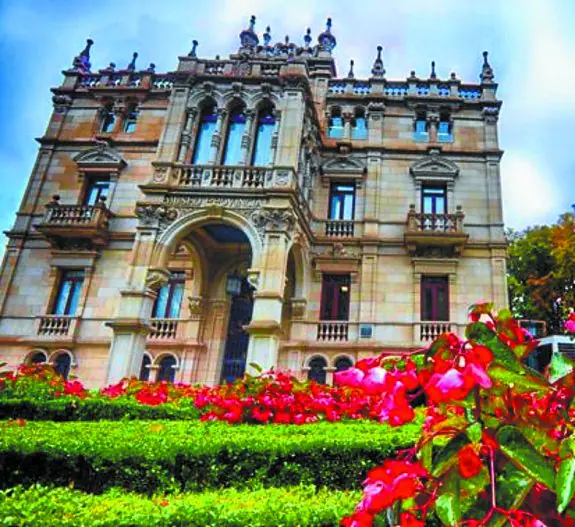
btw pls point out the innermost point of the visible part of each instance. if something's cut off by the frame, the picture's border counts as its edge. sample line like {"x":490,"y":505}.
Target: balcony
{"x":55,"y":325}
{"x":426,"y":332}
{"x":333,"y":331}
{"x":435,"y":234}
{"x":163,"y":329}
{"x":75,"y":225}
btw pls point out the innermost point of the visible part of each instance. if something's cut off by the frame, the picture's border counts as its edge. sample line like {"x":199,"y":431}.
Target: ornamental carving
{"x":195,"y":305}
{"x":273,"y":220}
{"x":298,"y":307}
{"x":156,"y":215}
{"x":193,"y":202}
{"x":156,"y":278}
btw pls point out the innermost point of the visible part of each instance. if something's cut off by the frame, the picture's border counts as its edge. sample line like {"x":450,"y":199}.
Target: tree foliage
{"x":541,"y":272}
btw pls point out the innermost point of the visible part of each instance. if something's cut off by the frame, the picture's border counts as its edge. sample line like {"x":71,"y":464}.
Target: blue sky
{"x":531,"y":45}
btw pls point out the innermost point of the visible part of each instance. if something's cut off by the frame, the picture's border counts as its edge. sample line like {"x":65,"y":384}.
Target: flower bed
{"x":146,"y":456}
{"x":270,"y":507}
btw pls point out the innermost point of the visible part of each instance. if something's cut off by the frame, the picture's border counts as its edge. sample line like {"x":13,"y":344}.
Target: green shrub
{"x":74,"y":409}
{"x":146,"y":456}
{"x":264,"y":507}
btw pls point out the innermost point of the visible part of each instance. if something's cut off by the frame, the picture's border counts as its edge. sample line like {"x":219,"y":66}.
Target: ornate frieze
{"x":273,"y":220}
{"x":156,"y":215}
{"x":156,"y":278}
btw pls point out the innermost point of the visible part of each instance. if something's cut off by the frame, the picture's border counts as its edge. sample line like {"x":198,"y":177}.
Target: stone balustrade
{"x":427,"y":222}
{"x":163,"y":329}
{"x":54,"y":325}
{"x":339,"y":228}
{"x":429,"y":330}
{"x":333,"y":331}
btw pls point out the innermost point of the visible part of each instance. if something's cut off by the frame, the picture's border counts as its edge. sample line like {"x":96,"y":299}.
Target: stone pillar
{"x":215,"y":333}
{"x":247,"y":137}
{"x":186,"y":140}
{"x":275,"y":136}
{"x":347,"y":117}
{"x":265,"y":327}
{"x":217,"y":137}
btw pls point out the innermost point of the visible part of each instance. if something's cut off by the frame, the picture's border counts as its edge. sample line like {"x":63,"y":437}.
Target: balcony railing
{"x":77,"y":222}
{"x":339,"y":228}
{"x":54,"y":325}
{"x":222,"y":177}
{"x":429,"y":331}
{"x":333,"y":331}
{"x":163,"y":328}
{"x":435,"y":230}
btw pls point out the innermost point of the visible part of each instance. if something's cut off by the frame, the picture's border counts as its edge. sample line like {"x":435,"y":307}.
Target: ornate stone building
{"x":253,"y":209}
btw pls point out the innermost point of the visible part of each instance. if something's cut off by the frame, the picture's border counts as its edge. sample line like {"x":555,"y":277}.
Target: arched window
{"x":62,"y":365}
{"x":262,"y":155}
{"x":335,"y":125}
{"x":145,"y":368}
{"x":206,"y":129}
{"x":235,"y":131}
{"x":166,"y":371}
{"x":317,"y":371}
{"x":38,"y":358}
{"x":131,"y":119}
{"x":359,"y":125}
{"x":108,"y":119}
{"x":343,"y":363}
{"x":421,"y":127}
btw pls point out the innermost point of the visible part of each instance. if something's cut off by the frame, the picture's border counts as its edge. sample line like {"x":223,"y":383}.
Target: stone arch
{"x":259,"y":100}
{"x":54,"y":355}
{"x":156,"y":361}
{"x":219,"y":279}
{"x":316,"y":355}
{"x":196,"y":256}
{"x":198,"y":99}
{"x":34,"y":352}
{"x":343,"y":356}
{"x":189,"y":222}
{"x":300,"y":256}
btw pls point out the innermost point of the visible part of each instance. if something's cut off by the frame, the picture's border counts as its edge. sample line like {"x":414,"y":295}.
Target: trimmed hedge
{"x":260,"y":508}
{"x":68,"y":409}
{"x":147,"y":456}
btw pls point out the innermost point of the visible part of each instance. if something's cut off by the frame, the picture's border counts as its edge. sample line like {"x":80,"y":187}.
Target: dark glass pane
{"x":342,"y":202}
{"x":342,"y":364}
{"x":161,"y":304}
{"x":130,"y":124}
{"x":335,"y":128}
{"x":108,"y":122}
{"x":236,"y":127}
{"x":263,"y":146}
{"x":434,"y":298}
{"x":359,"y":130}
{"x":145,"y":369}
{"x":38,"y":358}
{"x":68,"y":293}
{"x":176,"y":300}
{"x":166,"y":371}
{"x":434,"y":200}
{"x":97,"y":188}
{"x":62,"y":365}
{"x":317,"y":371}
{"x":204,"y":139}
{"x":335,"y":297}
{"x":61,"y":306}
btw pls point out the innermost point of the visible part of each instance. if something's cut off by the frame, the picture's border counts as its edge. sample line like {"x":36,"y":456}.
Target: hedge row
{"x":230,"y":507}
{"x":67,"y":409}
{"x":147,"y":456}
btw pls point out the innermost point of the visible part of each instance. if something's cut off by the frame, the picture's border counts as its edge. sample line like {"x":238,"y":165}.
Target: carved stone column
{"x":247,"y":136}
{"x":217,"y":137}
{"x":275,"y":136}
{"x":276,"y":226}
{"x":186,"y":139}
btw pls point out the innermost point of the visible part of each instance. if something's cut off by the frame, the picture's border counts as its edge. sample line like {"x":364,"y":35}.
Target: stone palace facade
{"x":183,"y":225}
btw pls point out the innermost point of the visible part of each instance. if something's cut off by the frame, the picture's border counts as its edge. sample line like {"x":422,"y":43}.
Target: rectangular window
{"x":96,"y":188}
{"x":335,"y":294}
{"x":342,"y":201}
{"x":420,"y":129}
{"x":130,"y":121}
{"x":434,"y":298}
{"x":335,"y":128}
{"x":444,"y":132}
{"x":434,"y":200}
{"x":169,"y":299}
{"x":68,"y":295}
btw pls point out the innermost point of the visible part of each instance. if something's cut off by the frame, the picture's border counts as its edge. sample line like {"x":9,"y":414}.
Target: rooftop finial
{"x":350,"y":75}
{"x":487,"y":76}
{"x":433,"y":74}
{"x":326,"y":40}
{"x":378,"y":70}
{"x":132,"y":65}
{"x":287,"y":40}
{"x":151,"y":67}
{"x":192,"y":52}
{"x":267,"y":37}
{"x":81,"y":62}
{"x":307,"y":37}
{"x":248,"y":38}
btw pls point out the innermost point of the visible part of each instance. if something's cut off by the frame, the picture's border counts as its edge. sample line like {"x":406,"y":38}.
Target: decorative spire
{"x":192,"y":52}
{"x":307,"y":38}
{"x":287,"y":40}
{"x":151,"y":67}
{"x":326,"y":40}
{"x":248,"y":38}
{"x":350,"y":75}
{"x":111,"y":67}
{"x":453,"y":76}
{"x":433,"y":75}
{"x":267,"y":37}
{"x":378,"y":70}
{"x":81,"y":62}
{"x":132,"y":65}
{"x":487,"y":76}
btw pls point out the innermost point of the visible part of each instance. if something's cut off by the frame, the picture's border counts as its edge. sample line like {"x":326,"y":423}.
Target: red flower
{"x":358,"y":519}
{"x":448,"y":386}
{"x":409,"y":520}
{"x":470,"y":463}
{"x":74,"y":388}
{"x":351,"y":377}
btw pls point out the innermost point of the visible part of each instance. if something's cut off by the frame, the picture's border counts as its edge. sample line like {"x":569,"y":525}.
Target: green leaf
{"x":448,"y":506}
{"x":425,"y":455}
{"x":503,"y":354}
{"x":565,"y":479}
{"x":520,"y":382}
{"x":474,"y":432}
{"x":560,"y":367}
{"x":522,"y":453}
{"x":447,"y":456}
{"x":255,"y":366}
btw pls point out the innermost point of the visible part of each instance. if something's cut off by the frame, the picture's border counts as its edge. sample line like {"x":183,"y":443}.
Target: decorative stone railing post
{"x":412,"y":218}
{"x":459,"y":218}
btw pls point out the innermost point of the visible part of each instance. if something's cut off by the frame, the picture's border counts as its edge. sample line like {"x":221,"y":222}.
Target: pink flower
{"x":374,"y":380}
{"x":444,"y":387}
{"x":351,"y":377}
{"x":570,"y":323}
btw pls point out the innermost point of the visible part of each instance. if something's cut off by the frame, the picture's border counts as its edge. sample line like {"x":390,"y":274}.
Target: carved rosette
{"x":156,"y":215}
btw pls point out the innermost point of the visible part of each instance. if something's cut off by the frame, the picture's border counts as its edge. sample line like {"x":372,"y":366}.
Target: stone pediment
{"x":433,"y":166}
{"x":343,"y":165}
{"x":101,"y":157}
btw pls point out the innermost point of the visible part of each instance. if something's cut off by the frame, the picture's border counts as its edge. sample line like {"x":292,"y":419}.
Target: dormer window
{"x":131,"y":119}
{"x":359,"y":125}
{"x":335,"y":124}
{"x":108,"y":119}
{"x":206,"y":129}
{"x":421,"y":128}
{"x":444,"y":129}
